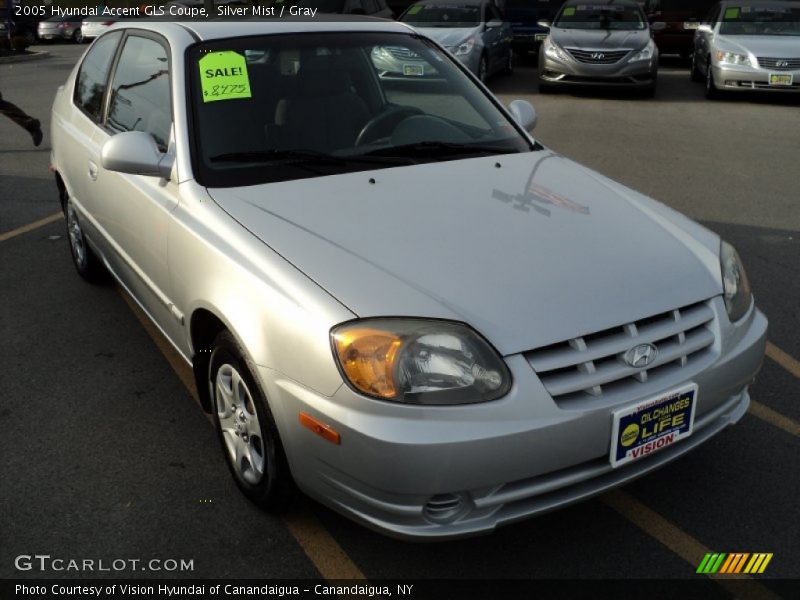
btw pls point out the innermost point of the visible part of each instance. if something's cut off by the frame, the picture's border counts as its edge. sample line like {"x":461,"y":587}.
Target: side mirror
{"x":494,"y":24}
{"x":704,"y":28}
{"x":543,"y":23}
{"x":524,"y":114}
{"x":658,"y":26}
{"x":136,"y":153}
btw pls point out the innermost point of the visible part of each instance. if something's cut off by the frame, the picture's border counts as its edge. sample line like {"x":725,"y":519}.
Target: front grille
{"x":597,"y":57}
{"x":779,"y":64}
{"x":592,"y":367}
{"x":403,"y":53}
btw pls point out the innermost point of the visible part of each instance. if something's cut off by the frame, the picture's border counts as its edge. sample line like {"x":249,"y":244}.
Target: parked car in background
{"x":372,"y":8}
{"x":61,"y":28}
{"x":606,"y":43}
{"x":748,"y":45}
{"x":23,"y":26}
{"x":524,"y":17}
{"x":681,"y":18}
{"x":390,"y":294}
{"x":474,"y":31}
{"x":92,"y":27}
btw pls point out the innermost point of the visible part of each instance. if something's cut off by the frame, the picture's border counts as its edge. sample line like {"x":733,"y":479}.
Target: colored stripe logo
{"x":735,"y":562}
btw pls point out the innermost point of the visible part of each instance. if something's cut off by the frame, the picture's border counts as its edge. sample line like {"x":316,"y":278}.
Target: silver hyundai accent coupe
{"x":392,"y":297}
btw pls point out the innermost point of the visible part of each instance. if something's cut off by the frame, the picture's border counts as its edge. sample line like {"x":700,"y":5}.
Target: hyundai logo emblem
{"x":641,"y":356}
{"x":598,"y":55}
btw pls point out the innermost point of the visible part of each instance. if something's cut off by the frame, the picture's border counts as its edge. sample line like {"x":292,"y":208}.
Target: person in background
{"x":16,"y":114}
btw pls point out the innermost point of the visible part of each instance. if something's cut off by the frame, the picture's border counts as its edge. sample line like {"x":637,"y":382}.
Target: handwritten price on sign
{"x":219,"y":91}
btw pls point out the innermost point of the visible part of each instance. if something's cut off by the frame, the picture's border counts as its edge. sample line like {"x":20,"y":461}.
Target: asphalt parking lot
{"x":105,"y":453}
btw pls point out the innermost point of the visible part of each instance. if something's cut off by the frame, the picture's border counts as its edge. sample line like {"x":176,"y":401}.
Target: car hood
{"x":600,"y":39}
{"x":536,"y":251}
{"x":774,"y":46}
{"x":449,"y":36}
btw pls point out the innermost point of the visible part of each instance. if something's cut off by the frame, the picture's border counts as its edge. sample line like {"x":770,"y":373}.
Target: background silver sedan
{"x":60,"y":28}
{"x":751,"y":45}
{"x":474,"y":31}
{"x":341,"y":259}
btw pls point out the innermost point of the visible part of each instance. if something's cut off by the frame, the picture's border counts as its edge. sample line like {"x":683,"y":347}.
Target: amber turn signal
{"x":321,"y":429}
{"x":367,"y":357}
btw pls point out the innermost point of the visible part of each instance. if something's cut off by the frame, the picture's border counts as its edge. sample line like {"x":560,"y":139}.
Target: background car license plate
{"x":780,"y":78}
{"x":690,"y":24}
{"x":413,"y":70}
{"x":652,"y":425}
{"x":540,"y":37}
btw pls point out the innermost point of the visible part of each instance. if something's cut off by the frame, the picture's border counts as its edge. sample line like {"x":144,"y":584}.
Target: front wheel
{"x":695,"y":72}
{"x":246,"y":428}
{"x":483,"y":69}
{"x":77,"y":36}
{"x":85,"y":260}
{"x":509,"y":69}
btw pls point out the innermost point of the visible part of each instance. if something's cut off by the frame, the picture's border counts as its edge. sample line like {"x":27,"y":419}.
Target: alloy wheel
{"x":76,"y":241}
{"x":241,"y":429}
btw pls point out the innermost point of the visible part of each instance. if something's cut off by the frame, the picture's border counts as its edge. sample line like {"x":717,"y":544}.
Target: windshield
{"x":282,"y":107}
{"x":447,"y":15}
{"x":601,"y":16}
{"x":760,"y":20}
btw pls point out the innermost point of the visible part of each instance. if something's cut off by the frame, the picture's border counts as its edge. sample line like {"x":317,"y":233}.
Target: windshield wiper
{"x":432,"y":149}
{"x":301,"y":157}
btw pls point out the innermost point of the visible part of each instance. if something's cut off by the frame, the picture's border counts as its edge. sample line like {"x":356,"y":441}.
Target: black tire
{"x":273,"y":488}
{"x":712,"y":92}
{"x":77,"y":36}
{"x":86,"y":262}
{"x":695,"y":73}
{"x":509,"y":69}
{"x":483,"y":69}
{"x":546,"y":88}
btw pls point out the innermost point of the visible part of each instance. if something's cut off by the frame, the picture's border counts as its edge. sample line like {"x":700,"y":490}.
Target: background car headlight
{"x":732,"y":58}
{"x":736,"y":287}
{"x":553,"y":50}
{"x":463,"y":48}
{"x":645,"y":53}
{"x":419,"y":361}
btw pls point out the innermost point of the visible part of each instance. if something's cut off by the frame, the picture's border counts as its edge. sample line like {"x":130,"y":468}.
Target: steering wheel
{"x":384,"y":123}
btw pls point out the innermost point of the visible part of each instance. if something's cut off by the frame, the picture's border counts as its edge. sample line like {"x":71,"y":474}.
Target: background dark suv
{"x":682,"y":18}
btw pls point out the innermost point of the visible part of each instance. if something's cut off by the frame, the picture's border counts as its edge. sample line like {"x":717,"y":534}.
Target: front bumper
{"x":572,"y":72}
{"x":742,"y":79}
{"x":446,"y":472}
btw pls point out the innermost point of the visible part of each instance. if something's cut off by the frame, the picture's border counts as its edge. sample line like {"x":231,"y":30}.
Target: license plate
{"x":413,"y":70}
{"x":690,"y":24}
{"x":652,"y":425}
{"x":540,"y":37}
{"x":780,"y":78}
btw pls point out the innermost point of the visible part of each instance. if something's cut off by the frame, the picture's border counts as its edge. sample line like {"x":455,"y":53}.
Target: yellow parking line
{"x":788,"y":362}
{"x":681,"y":543}
{"x":7,"y":235}
{"x":775,"y":418}
{"x":318,"y":544}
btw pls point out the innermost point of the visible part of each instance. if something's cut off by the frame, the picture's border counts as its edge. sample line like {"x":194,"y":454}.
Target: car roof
{"x":448,"y":2}
{"x":602,"y":3}
{"x":221,"y":29}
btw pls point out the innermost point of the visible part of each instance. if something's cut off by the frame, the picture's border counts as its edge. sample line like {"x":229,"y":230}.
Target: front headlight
{"x":464,"y":47}
{"x":732,"y":58}
{"x":736,"y":287}
{"x":645,"y":53}
{"x":553,"y":50}
{"x":419,"y":361}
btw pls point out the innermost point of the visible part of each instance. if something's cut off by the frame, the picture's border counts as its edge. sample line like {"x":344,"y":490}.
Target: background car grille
{"x":403,"y":53}
{"x":597,"y":57}
{"x":592,"y":366}
{"x":772,"y":63}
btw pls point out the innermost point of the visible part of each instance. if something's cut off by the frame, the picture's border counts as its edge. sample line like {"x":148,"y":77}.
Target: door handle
{"x":92,"y":171}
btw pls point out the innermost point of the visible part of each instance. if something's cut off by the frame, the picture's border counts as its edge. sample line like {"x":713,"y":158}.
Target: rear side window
{"x":140,"y":94}
{"x":90,"y":85}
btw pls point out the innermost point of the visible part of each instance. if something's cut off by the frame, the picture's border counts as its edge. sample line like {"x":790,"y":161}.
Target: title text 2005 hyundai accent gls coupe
{"x":391,"y":295}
